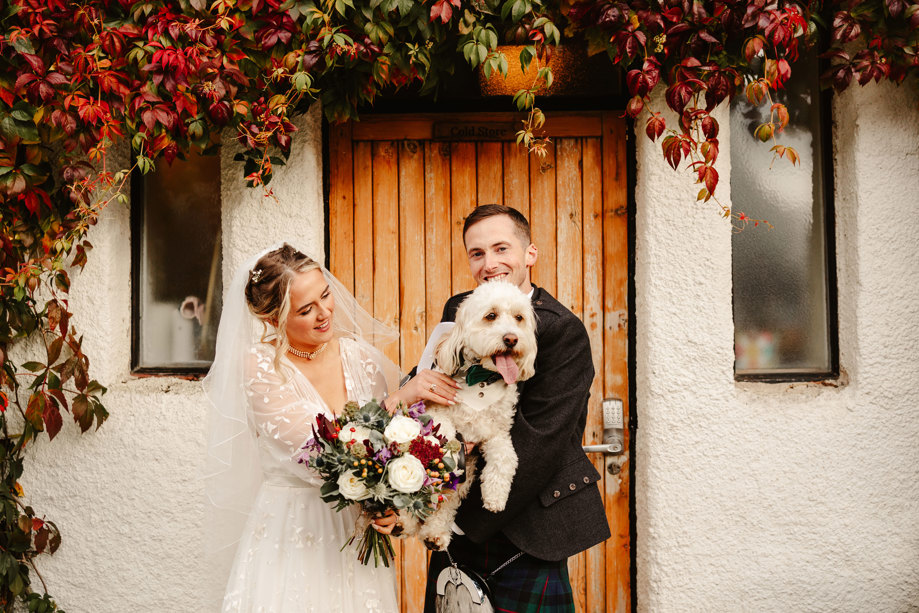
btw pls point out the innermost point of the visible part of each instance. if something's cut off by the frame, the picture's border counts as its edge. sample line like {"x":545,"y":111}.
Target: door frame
{"x":490,"y":108}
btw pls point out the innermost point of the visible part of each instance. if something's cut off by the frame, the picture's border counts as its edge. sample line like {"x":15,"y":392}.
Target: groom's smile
{"x":496,"y":251}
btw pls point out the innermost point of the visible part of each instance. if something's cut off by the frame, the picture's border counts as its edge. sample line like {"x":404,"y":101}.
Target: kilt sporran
{"x":462,"y":590}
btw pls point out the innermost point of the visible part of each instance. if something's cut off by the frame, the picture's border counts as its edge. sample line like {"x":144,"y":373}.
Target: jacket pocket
{"x":574,"y":477}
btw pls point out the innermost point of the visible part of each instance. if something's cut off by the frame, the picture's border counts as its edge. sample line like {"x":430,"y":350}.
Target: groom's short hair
{"x":491,"y":210}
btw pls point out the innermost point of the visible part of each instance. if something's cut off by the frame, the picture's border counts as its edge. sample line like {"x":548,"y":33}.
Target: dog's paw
{"x":495,"y":504}
{"x":437,"y":542}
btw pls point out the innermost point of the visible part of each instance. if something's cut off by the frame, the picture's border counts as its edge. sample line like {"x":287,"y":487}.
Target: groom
{"x":554,"y":509}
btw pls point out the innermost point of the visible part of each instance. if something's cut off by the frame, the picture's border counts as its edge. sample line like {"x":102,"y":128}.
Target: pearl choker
{"x":309,"y":355}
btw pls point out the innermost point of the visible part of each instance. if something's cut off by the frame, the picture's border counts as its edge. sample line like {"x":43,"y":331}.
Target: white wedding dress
{"x":288,"y":558}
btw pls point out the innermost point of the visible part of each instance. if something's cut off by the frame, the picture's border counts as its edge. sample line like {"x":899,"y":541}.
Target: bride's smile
{"x":312,"y":305}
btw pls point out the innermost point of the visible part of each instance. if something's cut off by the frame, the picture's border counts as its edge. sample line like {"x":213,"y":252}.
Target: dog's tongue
{"x":507,"y":368}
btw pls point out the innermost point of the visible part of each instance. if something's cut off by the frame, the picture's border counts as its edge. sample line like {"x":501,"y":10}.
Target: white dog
{"x":491,"y":348}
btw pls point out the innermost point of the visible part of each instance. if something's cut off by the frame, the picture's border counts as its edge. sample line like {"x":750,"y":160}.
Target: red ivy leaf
{"x":753,"y":47}
{"x":782,"y":111}
{"x":845,"y":27}
{"x":35,"y":63}
{"x":718,"y":88}
{"x":709,"y":176}
{"x":443,"y":10}
{"x":672,"y":150}
{"x":678,"y":96}
{"x":52,"y":417}
{"x":655,"y":126}
{"x":6,"y":95}
{"x":41,"y":537}
{"x":709,"y":150}
{"x":652,"y":71}
{"x":709,"y":127}
{"x":635,"y":106}
{"x":783,"y":72}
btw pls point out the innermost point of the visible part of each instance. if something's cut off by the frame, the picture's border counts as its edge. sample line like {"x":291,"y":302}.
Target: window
{"x":784,"y":278}
{"x":176,"y":272}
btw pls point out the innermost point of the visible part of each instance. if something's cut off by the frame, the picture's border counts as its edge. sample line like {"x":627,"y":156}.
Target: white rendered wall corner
{"x":128,"y":498}
{"x":782,"y":497}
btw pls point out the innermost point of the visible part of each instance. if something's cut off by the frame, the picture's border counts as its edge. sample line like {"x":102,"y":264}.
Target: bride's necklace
{"x":309,"y":355}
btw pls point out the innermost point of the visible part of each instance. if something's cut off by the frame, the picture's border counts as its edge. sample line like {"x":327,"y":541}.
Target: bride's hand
{"x":388,"y":523}
{"x":427,"y":385}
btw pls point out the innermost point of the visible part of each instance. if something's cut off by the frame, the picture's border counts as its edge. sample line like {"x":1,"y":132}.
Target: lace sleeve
{"x":368,"y":373}
{"x":283,"y":418}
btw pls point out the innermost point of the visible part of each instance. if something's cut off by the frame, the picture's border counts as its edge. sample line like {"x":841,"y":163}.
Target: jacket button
{"x":571,"y":486}
{"x":482,"y":384}
{"x":556,"y":494}
{"x":586,"y":479}
{"x":481,"y":394}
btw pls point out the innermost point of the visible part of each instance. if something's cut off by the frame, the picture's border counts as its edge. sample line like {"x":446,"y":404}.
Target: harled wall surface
{"x":749,"y":497}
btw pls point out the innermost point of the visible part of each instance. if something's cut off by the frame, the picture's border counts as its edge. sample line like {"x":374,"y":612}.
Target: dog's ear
{"x":449,"y":352}
{"x":527,"y":366}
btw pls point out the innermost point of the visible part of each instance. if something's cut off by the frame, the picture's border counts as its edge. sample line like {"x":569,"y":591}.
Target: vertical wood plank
{"x":517,"y":178}
{"x":592,"y":181}
{"x":615,"y":349}
{"x":385,"y":265}
{"x":341,"y":204}
{"x":363,"y":225}
{"x":412,"y":319}
{"x":386,"y":238}
{"x":569,"y":253}
{"x":438,"y":247}
{"x":570,"y":283}
{"x":542,"y":220}
{"x":412,"y":327}
{"x":489,"y":174}
{"x":462,"y":202}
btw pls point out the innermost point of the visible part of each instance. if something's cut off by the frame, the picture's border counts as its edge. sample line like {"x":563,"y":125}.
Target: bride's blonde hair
{"x":268,"y":293}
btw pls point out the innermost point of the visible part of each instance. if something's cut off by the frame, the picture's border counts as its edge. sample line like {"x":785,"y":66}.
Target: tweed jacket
{"x":554,"y":509}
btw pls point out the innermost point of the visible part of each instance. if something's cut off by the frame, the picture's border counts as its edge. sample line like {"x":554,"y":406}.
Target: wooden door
{"x":400,"y":187}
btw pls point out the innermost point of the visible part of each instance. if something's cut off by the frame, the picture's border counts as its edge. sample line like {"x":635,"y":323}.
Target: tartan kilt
{"x":526,"y":585}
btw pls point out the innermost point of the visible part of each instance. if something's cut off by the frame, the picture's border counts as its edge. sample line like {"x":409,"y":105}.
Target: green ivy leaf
{"x":33,"y":366}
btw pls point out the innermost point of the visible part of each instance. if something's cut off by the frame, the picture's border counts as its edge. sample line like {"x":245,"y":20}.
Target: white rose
{"x":353,"y":432}
{"x":406,"y":474}
{"x":351,"y":487}
{"x":402,"y":429}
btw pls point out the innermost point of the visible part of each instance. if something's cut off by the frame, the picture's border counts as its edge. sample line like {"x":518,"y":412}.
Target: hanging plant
{"x":172,"y":76}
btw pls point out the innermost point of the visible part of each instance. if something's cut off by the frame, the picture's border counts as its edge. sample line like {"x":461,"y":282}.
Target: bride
{"x":292,"y":343}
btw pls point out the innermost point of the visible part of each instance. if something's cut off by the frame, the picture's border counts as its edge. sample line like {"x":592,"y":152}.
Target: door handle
{"x":613,"y":434}
{"x":610,"y":449}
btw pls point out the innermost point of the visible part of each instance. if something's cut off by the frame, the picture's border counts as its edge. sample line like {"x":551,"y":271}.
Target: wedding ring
{"x":433,"y":387}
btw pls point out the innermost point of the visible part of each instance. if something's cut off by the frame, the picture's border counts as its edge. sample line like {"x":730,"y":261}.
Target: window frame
{"x":829,"y":183}
{"x":138,"y":204}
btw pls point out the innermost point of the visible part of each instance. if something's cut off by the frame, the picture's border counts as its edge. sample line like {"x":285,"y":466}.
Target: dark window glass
{"x":177,"y":273}
{"x":783,"y":278}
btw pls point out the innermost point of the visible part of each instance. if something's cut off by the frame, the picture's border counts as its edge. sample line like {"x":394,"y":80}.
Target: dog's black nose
{"x":510,"y":340}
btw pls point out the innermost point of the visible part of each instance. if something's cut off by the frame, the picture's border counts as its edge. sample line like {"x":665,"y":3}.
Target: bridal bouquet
{"x":380,"y":461}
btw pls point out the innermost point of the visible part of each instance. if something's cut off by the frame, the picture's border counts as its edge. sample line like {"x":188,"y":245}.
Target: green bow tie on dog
{"x":478,"y":374}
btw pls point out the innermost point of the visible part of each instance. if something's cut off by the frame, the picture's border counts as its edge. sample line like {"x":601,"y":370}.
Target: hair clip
{"x":256,"y":275}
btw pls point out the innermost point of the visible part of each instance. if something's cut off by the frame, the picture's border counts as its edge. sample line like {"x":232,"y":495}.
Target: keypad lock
{"x":613,"y":429}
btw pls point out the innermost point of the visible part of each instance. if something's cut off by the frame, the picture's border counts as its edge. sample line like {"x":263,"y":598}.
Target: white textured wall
{"x":750,"y":497}
{"x":128,"y":498}
{"x":780,"y":497}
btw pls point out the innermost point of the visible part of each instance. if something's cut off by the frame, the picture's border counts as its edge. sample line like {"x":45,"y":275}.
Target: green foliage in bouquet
{"x":383,"y":463}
